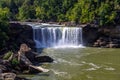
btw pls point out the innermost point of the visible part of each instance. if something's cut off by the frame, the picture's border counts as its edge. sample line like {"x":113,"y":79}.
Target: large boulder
{"x":33,"y":56}
{"x":7,"y":76}
{"x":43,"y":59}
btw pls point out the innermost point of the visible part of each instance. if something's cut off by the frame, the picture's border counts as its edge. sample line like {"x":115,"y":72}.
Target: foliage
{"x":3,"y":33}
{"x":4,"y":13}
{"x":80,"y":11}
{"x":7,"y":55}
{"x":15,"y":61}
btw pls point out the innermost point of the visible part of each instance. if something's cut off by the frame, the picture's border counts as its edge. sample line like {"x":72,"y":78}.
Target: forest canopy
{"x":80,"y":11}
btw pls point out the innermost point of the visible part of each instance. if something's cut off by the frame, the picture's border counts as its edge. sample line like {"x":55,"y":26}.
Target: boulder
{"x":33,"y":56}
{"x":24,"y":48}
{"x":26,"y":51}
{"x":36,"y":69}
{"x":19,"y":78}
{"x":28,"y":60}
{"x":42,"y":59}
{"x":7,"y":76}
{"x":2,"y":68}
{"x":112,"y":45}
{"x":5,"y":66}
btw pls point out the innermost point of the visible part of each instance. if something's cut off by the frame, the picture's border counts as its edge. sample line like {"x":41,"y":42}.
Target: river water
{"x":81,"y":64}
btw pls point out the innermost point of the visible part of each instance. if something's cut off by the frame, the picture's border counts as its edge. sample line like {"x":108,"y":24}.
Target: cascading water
{"x":56,"y":36}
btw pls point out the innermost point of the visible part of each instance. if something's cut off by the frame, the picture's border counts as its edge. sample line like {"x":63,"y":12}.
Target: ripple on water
{"x":91,"y":69}
{"x":110,"y":69}
{"x":92,"y":66}
{"x":65,"y":75}
{"x":58,"y":72}
{"x":60,"y":60}
{"x":95,"y":67}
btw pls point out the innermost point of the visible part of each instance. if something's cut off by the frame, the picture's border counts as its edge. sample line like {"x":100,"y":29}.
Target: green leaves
{"x":4,"y":13}
{"x":3,"y":33}
{"x":79,"y":11}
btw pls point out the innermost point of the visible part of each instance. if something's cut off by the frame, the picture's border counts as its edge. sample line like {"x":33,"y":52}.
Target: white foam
{"x":110,"y":69}
{"x":67,"y":62}
{"x":90,"y":69}
{"x":70,"y":46}
{"x":58,"y":72}
{"x":93,"y":65}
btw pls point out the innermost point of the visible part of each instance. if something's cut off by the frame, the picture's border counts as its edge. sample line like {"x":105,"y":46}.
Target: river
{"x":80,"y":64}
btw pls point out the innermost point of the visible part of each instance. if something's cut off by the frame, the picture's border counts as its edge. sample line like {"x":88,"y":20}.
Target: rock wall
{"x":94,"y":36}
{"x":19,"y":34}
{"x":106,"y":36}
{"x":90,"y":34}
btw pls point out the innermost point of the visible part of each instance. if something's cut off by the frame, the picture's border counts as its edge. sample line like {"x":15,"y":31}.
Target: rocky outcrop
{"x":19,"y":34}
{"x":19,"y":62}
{"x":90,"y":34}
{"x":7,"y":76}
{"x":28,"y":62}
{"x":43,"y":59}
{"x":108,"y":36}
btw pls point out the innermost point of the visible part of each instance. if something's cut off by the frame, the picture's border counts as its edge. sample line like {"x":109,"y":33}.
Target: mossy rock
{"x":7,"y":55}
{"x":15,"y":61}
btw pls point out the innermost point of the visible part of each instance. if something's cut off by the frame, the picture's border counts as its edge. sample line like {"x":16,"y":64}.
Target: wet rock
{"x":18,"y":78}
{"x":2,"y":68}
{"x":24,"y":48}
{"x":32,"y":70}
{"x":7,"y":76}
{"x":5,"y":66}
{"x":26,"y":51}
{"x":42,"y":59}
{"x":31,"y":55}
{"x":102,"y":43}
{"x":26,"y":60}
{"x":112,"y":45}
{"x":36,"y":69}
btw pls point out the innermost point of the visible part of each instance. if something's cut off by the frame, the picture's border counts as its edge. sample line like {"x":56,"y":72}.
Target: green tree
{"x":4,"y":14}
{"x":26,"y":11}
{"x":3,"y":33}
{"x":40,"y":13}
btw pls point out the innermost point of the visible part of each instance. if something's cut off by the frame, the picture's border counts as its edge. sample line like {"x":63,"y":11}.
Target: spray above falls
{"x":46,"y":35}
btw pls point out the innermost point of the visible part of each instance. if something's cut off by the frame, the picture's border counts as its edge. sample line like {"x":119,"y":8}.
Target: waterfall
{"x":56,"y":36}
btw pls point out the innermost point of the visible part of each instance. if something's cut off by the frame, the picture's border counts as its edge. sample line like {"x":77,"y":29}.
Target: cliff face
{"x":90,"y":34}
{"x":19,"y":34}
{"x":107,"y":36}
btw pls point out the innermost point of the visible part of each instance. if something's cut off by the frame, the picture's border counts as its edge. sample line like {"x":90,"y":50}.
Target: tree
{"x":40,"y":13}
{"x":26,"y":11}
{"x":4,"y":14}
{"x":3,"y":33}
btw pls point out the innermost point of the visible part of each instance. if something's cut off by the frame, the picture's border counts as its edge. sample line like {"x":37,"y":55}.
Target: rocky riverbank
{"x":106,"y":36}
{"x":23,"y":61}
{"x":15,"y":60}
